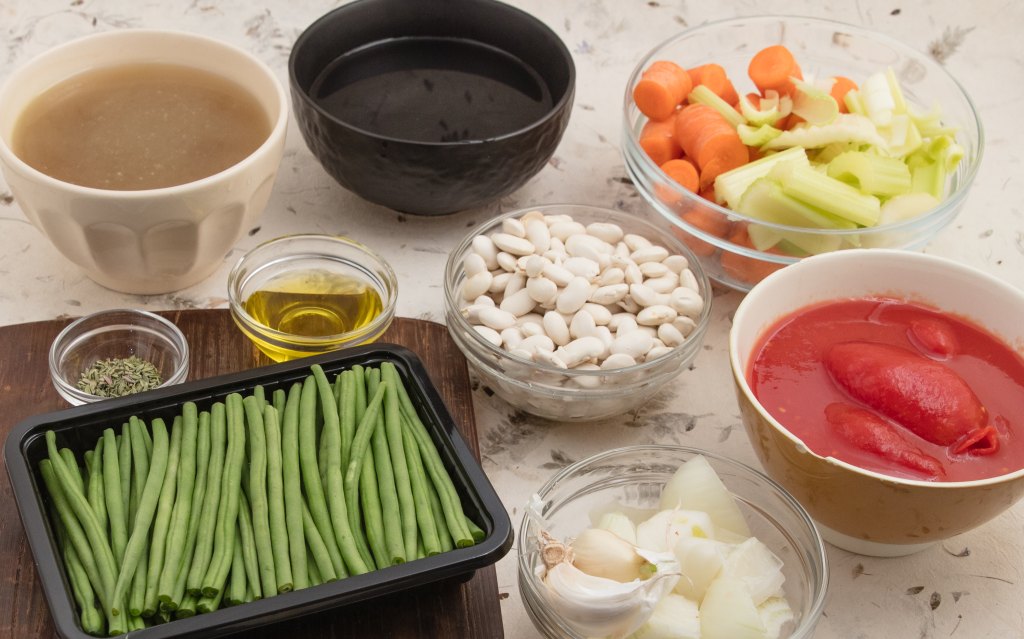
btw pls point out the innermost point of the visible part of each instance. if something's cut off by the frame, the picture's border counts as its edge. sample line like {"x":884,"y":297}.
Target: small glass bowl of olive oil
{"x":302,"y":295}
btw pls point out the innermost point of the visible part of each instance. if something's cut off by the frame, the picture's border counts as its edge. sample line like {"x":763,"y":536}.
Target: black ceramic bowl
{"x":431,"y":107}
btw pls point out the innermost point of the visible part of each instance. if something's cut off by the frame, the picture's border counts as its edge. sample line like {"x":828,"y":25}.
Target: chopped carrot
{"x":713,"y":77}
{"x":742,"y":268}
{"x":683,"y":172}
{"x":789,"y":122}
{"x":707,"y":137}
{"x":662,"y":87}
{"x":658,"y":140}
{"x":840,"y":88}
{"x":754,"y":153}
{"x":709,"y":195}
{"x":771,"y":69}
{"x":707,"y":220}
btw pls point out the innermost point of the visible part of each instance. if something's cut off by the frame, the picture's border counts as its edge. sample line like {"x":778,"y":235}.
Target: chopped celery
{"x":767,"y":115}
{"x":847,"y":127}
{"x":812,"y":104}
{"x":787,"y":247}
{"x":854,"y":103}
{"x":729,"y":186}
{"x":827,"y":153}
{"x":905,"y":207}
{"x":902,"y":136}
{"x":763,"y":237}
{"x":826,"y":193}
{"x":759,"y":136}
{"x":878,"y":99}
{"x":930,"y":123}
{"x":765,"y":200}
{"x":899,"y":103}
{"x":929,"y":177}
{"x":703,"y":95}
{"x":872,"y":174}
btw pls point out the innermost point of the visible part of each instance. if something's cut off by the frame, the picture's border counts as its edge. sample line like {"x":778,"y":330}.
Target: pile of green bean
{"x":255,"y":497}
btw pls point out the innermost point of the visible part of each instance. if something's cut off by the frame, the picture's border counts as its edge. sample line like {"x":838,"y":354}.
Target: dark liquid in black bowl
{"x":428,"y":89}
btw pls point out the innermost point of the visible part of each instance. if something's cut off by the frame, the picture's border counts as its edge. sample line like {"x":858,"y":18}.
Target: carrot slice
{"x":662,"y":87}
{"x":706,"y":220}
{"x":840,"y":88}
{"x":658,"y":140}
{"x":683,"y":172}
{"x":713,"y":76}
{"x":771,"y":69}
{"x":743,"y":268}
{"x":706,"y":136}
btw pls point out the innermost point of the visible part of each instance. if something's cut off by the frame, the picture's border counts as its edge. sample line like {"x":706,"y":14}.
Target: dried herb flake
{"x":117,"y":377}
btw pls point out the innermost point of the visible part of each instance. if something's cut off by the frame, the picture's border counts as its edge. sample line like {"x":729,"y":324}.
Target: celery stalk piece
{"x":930,"y":123}
{"x":902,"y":136}
{"x":767,"y":115}
{"x":812,"y":104}
{"x":847,"y":127}
{"x":759,"y":136}
{"x":828,"y":153}
{"x":872,"y":174}
{"x":703,"y":95}
{"x":784,"y":103}
{"x":899,"y":102}
{"x":906,"y":207}
{"x":788,"y":248}
{"x":854,"y":103}
{"x":729,"y":186}
{"x":765,"y":200}
{"x":878,"y":99}
{"x":826,"y":193}
{"x":929,"y":177}
{"x":763,"y":237}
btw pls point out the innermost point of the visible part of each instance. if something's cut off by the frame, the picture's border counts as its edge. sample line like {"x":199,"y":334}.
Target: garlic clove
{"x":602,"y":553}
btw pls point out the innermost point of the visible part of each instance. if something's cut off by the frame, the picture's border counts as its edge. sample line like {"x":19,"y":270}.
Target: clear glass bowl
{"x":823,"y":48}
{"x":117,"y":333}
{"x":571,"y":395}
{"x":296,"y":254}
{"x":634,"y":476}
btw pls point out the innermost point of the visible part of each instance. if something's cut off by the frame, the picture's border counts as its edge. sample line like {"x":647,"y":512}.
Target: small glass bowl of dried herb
{"x":116,"y":353}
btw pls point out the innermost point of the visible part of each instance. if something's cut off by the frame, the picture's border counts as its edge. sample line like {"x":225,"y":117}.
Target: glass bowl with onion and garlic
{"x":669,"y":541}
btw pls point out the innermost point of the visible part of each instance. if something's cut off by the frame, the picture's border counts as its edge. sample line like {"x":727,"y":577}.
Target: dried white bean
{"x":612,"y":275}
{"x":646,"y":296}
{"x":609,"y":294}
{"x":473,"y":264}
{"x":656,"y":343}
{"x":583,"y":267}
{"x":512,"y":226}
{"x":499,"y":282}
{"x":627,"y":304}
{"x":484,"y":247}
{"x":587,"y":246}
{"x":472,"y":312}
{"x":634,"y":241}
{"x":522,"y":353}
{"x":512,"y":337}
{"x":649,"y":331}
{"x":484,"y":300}
{"x":534,"y":265}
{"x":686,"y":301}
{"x":626,"y":325}
{"x":534,"y":215}
{"x":602,"y":333}
{"x":542,"y":290}
{"x":557,"y":246}
{"x":604,"y":260}
{"x":582,"y":324}
{"x":515,"y":284}
{"x":633,"y":274}
{"x":519,"y":303}
{"x":605,"y":231}
{"x":644,"y":254}
{"x":670,"y":335}
{"x":477,"y":285}
{"x":652,"y":269}
{"x":496,"y":318}
{"x":618,"y":317}
{"x":532,"y":329}
{"x":556,"y":328}
{"x":656,"y":315}
{"x":658,"y":351}
{"x":573,"y":296}
{"x":507,"y":262}
{"x":512,"y":244}
{"x":534,"y":343}
{"x":589,"y":382}
{"x":684,"y":325}
{"x":618,"y":360}
{"x":634,"y":343}
{"x":534,"y":317}
{"x":665,"y":284}
{"x":676,"y":263}
{"x":562,"y":230}
{"x":551,"y":220}
{"x":560,"y":275}
{"x":578,"y":351}
{"x":539,"y":235}
{"x":549,"y":358}
{"x":553,"y":256}
{"x":689,"y":280}
{"x":600,"y":314}
{"x":621,"y":251}
{"x":489,"y":334}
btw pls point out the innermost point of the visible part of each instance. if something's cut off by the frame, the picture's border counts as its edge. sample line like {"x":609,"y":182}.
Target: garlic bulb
{"x":601,"y":607}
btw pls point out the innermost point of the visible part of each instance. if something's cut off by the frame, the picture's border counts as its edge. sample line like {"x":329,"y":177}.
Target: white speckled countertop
{"x":970,"y":586}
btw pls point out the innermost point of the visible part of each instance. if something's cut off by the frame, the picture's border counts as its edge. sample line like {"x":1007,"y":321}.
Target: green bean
{"x":158,"y":539}
{"x":195,"y":512}
{"x":293,"y":488}
{"x":321,"y":559}
{"x":430,"y":543}
{"x":335,"y":487}
{"x":314,"y":573}
{"x":359,"y":375}
{"x":396,"y":445}
{"x":450,"y":502}
{"x":77,"y":475}
{"x":102,"y":554}
{"x":187,"y":607}
{"x":140,"y":475}
{"x":420,"y":551}
{"x":280,"y":398}
{"x":258,"y":493}
{"x":444,"y":537}
{"x":124,"y":463}
{"x":117,"y":515}
{"x":260,"y":395}
{"x":250,"y":553}
{"x":227,"y":515}
{"x":211,"y":504}
{"x":311,"y":473}
{"x":177,"y":534}
{"x":94,"y":490}
{"x":209,"y":604}
{"x":275,"y":499}
{"x":147,"y":438}
{"x":81,"y":589}
{"x":476,"y":531}
{"x":386,"y":483}
{"x":373,"y":517}
{"x":347,"y":410}
{"x":353,"y":472}
{"x":237,"y":578}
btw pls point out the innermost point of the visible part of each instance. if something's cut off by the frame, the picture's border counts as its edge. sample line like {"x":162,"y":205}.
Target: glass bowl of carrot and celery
{"x":812,"y":136}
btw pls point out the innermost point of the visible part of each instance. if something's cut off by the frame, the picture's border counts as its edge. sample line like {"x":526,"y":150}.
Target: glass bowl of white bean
{"x":573,"y":312}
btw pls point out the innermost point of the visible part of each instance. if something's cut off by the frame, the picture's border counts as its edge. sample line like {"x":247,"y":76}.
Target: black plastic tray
{"x":78,"y":428}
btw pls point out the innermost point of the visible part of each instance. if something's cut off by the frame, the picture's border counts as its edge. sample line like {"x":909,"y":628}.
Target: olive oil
{"x":312,"y":304}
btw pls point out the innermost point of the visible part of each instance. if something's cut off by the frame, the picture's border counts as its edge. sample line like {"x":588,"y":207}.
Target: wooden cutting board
{"x":445,"y":609}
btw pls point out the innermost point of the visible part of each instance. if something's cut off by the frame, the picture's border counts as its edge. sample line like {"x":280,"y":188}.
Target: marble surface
{"x":970,"y":586}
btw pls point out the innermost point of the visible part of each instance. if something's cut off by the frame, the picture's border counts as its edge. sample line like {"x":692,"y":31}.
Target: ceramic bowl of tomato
{"x":743,"y":235}
{"x":884,"y":389}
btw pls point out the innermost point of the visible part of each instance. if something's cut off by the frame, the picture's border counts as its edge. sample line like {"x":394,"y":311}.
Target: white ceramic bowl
{"x":150,"y":241}
{"x":856,"y":509}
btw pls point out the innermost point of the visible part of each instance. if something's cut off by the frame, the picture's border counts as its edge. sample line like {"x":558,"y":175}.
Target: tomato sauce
{"x":813,"y":372}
